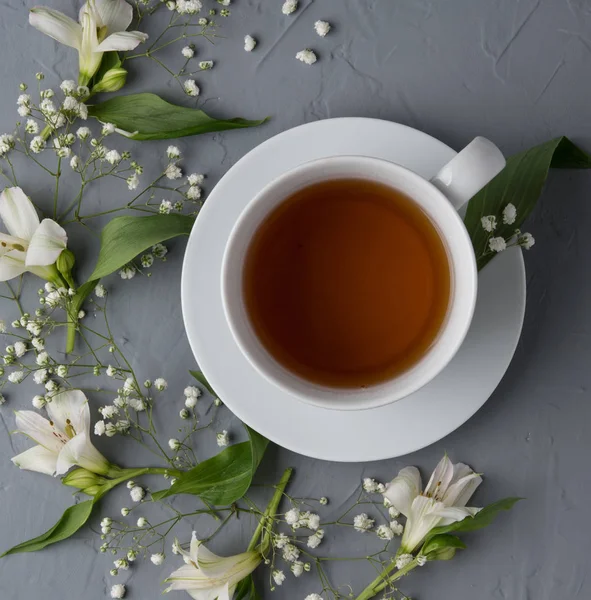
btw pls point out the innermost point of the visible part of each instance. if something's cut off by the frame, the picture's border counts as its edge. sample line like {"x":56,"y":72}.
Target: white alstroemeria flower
{"x":102,"y":28}
{"x":30,"y":245}
{"x":64,"y":439}
{"x":206,"y":576}
{"x":442,"y":502}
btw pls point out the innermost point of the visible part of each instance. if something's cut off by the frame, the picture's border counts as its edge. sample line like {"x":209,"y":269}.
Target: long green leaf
{"x":224,"y":478}
{"x":149,"y":117}
{"x":70,"y":522}
{"x":124,"y":238}
{"x":200,"y":377}
{"x":519,"y":183}
{"x":481,"y":519}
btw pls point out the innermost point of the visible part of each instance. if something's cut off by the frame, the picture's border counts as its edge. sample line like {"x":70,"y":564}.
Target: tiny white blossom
{"x":193,"y":193}
{"x":191,"y":88}
{"x":526,"y":240}
{"x":497,"y":244}
{"x":125,"y":511}
{"x":195,"y":179}
{"x":137,"y":404}
{"x":127,"y":272}
{"x":99,"y":428}
{"x":173,"y":172}
{"x":24,"y":100}
{"x":489,"y":223}
{"x":292,"y":516}
{"x":206,"y":65}
{"x":70,"y":104}
{"x":108,"y":129}
{"x":62,"y":371}
{"x":371,"y":486}
{"x":113,"y":157}
{"x":37,"y":144}
{"x":47,"y":107}
{"x":314,"y":540}
{"x":159,"y":250}
{"x":133,"y":181}
{"x":38,"y":344}
{"x":509,"y":214}
{"x":110,"y":430}
{"x":118,"y":591}
{"x":82,"y":111}
{"x":157,"y":558}
{"x":192,"y":391}
{"x":310,"y":520}
{"x":51,"y":386}
{"x":83,"y":133}
{"x":290,"y":553}
{"x":402,"y":560}
{"x":40,"y":376}
{"x":174,"y":444}
{"x":189,"y":7}
{"x":165,"y":207}
{"x":16,"y":376}
{"x":142,"y":522}
{"x":6,"y":143}
{"x":121,"y":563}
{"x":111,"y":371}
{"x":322,"y":28}
{"x":130,"y":484}
{"x":289,"y":6}
{"x":31,"y":126}
{"x":42,"y":359}
{"x":313,"y":597}
{"x":190,"y":402}
{"x":68,"y":86}
{"x":2,"y":399}
{"x":137,"y":493}
{"x":176,"y":547}
{"x":171,"y":5}
{"x":131,"y":555}
{"x":297,"y":568}
{"x":396,"y":527}
{"x":23,"y":111}
{"x":39,"y":402}
{"x":307,"y":56}
{"x":74,"y":163}
{"x":421,"y":560}
{"x":188,"y":52}
{"x":281,"y":541}
{"x":20,"y":348}
{"x":222,"y":439}
{"x":323,"y":501}
{"x":278,"y":576}
{"x":384,"y":532}
{"x":362,"y":523}
{"x":160,"y":384}
{"x":173,"y":152}
{"x":100,"y":291}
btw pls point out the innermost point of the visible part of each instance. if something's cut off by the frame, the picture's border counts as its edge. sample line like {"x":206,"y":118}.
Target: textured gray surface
{"x":517,"y":72}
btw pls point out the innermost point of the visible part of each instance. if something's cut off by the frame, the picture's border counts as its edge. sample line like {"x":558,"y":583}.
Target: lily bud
{"x":113,"y":80}
{"x":86,"y":481}
{"x":65,"y":262}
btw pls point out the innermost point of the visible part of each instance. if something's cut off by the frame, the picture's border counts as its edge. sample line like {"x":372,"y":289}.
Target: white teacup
{"x":467,"y":173}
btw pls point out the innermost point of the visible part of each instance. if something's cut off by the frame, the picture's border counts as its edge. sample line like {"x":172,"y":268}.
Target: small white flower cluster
{"x":363,"y":523}
{"x":222,"y":439}
{"x":499,"y":243}
{"x":307,"y":56}
{"x":187,"y":7}
{"x":249,"y":43}
{"x":298,"y":519}
{"x":371,"y":486}
{"x":7,"y":143}
{"x":136,"y":492}
{"x":289,"y":7}
{"x":188,"y":52}
{"x":191,"y":88}
{"x":387,"y":532}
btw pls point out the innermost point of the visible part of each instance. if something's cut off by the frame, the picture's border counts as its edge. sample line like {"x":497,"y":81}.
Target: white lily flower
{"x":206,"y":576}
{"x":64,"y":439}
{"x":31,"y":245}
{"x":102,"y":28}
{"x":442,"y":502}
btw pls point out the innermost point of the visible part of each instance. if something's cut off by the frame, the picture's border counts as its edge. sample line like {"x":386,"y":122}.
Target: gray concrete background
{"x":518,"y":72}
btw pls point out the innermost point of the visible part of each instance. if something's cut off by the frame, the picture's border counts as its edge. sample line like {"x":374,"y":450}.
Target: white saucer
{"x":399,"y":428}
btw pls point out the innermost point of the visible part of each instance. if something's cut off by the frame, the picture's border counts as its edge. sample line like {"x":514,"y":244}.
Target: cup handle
{"x":469,"y":171}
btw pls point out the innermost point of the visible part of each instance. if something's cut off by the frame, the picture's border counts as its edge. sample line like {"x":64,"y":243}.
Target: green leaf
{"x":124,"y":238}
{"x":481,"y":519}
{"x":519,"y":183}
{"x":149,"y":117}
{"x":200,"y":377}
{"x":246,"y":590}
{"x":70,"y":522}
{"x":224,"y":478}
{"x":442,"y":547}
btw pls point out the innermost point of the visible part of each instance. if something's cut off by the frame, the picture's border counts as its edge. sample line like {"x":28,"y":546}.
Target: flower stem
{"x":384,"y":579}
{"x":266,"y":521}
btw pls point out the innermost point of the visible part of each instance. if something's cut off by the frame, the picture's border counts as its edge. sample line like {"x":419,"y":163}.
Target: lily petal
{"x":403,"y":489}
{"x":80,"y":451}
{"x":123,"y":40}
{"x":38,"y":459}
{"x":56,"y":25}
{"x":40,"y":430}
{"x":89,"y":57}
{"x":462,"y":490}
{"x":423,"y":517}
{"x":451,"y":514}
{"x":47,"y":244}
{"x":440,"y":479}
{"x":115,"y":15}
{"x":18,"y":213}
{"x":216,"y":593}
{"x":12,"y":265}
{"x":70,"y":408}
{"x":10,"y":243}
